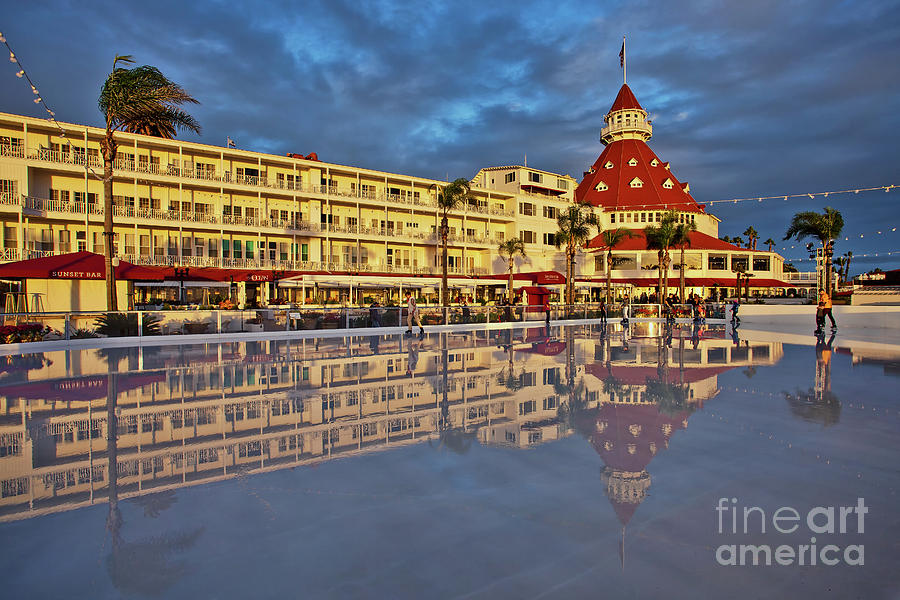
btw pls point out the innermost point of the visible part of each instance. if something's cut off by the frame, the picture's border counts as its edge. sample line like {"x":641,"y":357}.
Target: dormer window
{"x":608,"y":165}
{"x":601,"y":187}
{"x":654,"y":163}
{"x":687,"y":188}
{"x":632,"y":162}
{"x":668,"y":184}
{"x":636,"y":183}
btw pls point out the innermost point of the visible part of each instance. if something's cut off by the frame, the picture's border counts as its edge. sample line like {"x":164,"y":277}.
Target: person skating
{"x":735,"y":319}
{"x":602,"y":311}
{"x":825,"y":309}
{"x":412,"y":315}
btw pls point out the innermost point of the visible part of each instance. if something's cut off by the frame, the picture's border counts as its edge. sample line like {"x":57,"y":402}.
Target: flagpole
{"x":624,"y":63}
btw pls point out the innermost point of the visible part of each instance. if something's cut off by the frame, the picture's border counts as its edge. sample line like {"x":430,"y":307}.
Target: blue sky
{"x":748,"y":98}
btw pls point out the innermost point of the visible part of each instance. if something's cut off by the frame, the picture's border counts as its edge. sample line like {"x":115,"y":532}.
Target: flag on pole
{"x":230,"y":143}
{"x":622,"y":55}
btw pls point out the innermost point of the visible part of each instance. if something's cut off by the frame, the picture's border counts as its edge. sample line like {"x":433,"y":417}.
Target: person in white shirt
{"x":412,"y":315}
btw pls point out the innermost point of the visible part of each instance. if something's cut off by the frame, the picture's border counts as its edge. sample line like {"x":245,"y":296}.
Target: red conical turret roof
{"x":611,"y":185}
{"x":625,"y":100}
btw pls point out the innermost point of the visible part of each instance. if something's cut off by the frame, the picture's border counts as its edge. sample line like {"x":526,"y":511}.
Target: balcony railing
{"x":210,"y":175}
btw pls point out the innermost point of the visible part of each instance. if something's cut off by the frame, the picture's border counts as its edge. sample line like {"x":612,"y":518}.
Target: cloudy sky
{"x":748,"y":99}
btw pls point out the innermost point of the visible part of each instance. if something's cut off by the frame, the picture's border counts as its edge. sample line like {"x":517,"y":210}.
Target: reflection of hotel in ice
{"x":194,"y":414}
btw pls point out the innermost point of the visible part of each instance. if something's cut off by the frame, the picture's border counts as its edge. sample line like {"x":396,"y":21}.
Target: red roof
{"x":699,"y":241}
{"x":625,"y":100}
{"x":617,"y":178}
{"x":77,"y":265}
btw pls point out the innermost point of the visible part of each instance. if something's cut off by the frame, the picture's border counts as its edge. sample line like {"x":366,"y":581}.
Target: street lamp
{"x":181,"y":273}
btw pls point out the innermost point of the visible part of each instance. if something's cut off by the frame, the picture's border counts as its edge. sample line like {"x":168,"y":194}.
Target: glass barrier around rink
{"x":20,"y":327}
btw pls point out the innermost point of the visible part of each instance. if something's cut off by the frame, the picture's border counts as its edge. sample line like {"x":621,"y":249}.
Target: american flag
{"x":622,"y":55}
{"x":231,"y":143}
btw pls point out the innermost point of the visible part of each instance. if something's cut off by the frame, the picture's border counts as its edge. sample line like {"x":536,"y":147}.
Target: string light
{"x":871,"y":253}
{"x":783,"y":197}
{"x":21,"y":73}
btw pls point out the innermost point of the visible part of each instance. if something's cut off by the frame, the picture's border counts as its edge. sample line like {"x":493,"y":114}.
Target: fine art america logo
{"x":818,"y":521}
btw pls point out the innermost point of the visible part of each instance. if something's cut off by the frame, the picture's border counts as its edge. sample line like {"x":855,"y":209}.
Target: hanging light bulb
{"x":34,"y":90}
{"x":12,"y":57}
{"x":2,"y":39}
{"x":37,"y":100}
{"x":19,"y":74}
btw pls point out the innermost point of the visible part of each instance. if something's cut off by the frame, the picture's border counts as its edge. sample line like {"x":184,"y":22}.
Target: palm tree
{"x":509,"y":249}
{"x":739,"y":273}
{"x":726,"y":239}
{"x":769,"y":242}
{"x":737,"y":241}
{"x":752,"y":236}
{"x":662,"y":237}
{"x":825,"y":227}
{"x":449,"y":198}
{"x":575,"y":225}
{"x":611,"y":239}
{"x":683,"y":239}
{"x":140,"y":100}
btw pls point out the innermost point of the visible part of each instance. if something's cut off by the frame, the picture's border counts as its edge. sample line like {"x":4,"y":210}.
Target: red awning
{"x":82,"y":388}
{"x":535,"y":277}
{"x":535,"y":290}
{"x":548,"y":348}
{"x":77,"y":265}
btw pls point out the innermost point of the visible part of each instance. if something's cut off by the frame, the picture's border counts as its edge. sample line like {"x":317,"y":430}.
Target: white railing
{"x":9,"y":254}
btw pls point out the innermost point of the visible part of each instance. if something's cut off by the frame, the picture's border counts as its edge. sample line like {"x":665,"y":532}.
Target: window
{"x":643,"y":217}
{"x":529,"y":237}
{"x":551,"y":403}
{"x":654,"y":163}
{"x":562,"y":184}
{"x":510,"y":177}
{"x":761,"y":263}
{"x":716,"y":263}
{"x":739,"y":263}
{"x":526,"y":208}
{"x":632,"y":162}
{"x":527,"y":407}
{"x":636,"y":183}
{"x":601,"y":187}
{"x":608,"y":165}
{"x":668,"y":184}
{"x":64,"y":240}
{"x":612,"y":218}
{"x":10,"y":236}
{"x":551,"y":212}
{"x":535,"y":177}
{"x":9,"y":189}
{"x":549,"y":239}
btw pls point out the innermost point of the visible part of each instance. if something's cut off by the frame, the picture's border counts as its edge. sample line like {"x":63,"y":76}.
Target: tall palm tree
{"x":825,"y":227}
{"x":141,"y":100}
{"x":509,"y":249}
{"x":769,"y":242}
{"x":682,"y":240}
{"x":450,"y":197}
{"x":611,"y":239}
{"x":662,"y":237}
{"x":726,"y":239}
{"x":737,"y":241}
{"x":575,"y":226}
{"x":752,"y":236}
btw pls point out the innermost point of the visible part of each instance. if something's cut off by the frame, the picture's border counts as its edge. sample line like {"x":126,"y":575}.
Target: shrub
{"x":83,"y":334}
{"x":125,"y":324}
{"x":26,"y":332}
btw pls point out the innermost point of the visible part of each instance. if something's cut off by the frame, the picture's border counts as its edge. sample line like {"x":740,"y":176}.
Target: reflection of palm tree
{"x":749,"y":372}
{"x":141,"y":567}
{"x":155,"y":504}
{"x":822,"y":408}
{"x":671,"y":398}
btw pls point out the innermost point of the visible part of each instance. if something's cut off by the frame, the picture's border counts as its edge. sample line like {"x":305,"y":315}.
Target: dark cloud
{"x":748,"y":98}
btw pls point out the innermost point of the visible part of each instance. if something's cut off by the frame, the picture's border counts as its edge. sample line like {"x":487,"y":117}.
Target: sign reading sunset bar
{"x":64,"y":274}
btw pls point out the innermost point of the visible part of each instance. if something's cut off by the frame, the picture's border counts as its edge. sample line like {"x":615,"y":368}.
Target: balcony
{"x":128,"y":165}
